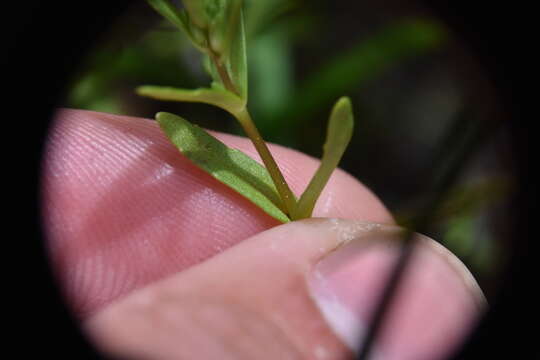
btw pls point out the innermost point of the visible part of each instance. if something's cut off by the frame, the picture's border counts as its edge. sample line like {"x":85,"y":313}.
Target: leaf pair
{"x":248,"y":177}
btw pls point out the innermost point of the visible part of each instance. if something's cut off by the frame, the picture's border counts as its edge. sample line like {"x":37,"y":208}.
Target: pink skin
{"x":137,"y":237}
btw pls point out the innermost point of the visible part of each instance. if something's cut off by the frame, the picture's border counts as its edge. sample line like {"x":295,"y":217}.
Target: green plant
{"x":216,"y":29}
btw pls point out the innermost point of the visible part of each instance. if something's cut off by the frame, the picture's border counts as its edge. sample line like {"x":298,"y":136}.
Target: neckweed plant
{"x":216,"y":29}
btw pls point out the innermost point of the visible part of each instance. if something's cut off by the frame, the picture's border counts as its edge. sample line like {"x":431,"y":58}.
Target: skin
{"x":142,"y":239}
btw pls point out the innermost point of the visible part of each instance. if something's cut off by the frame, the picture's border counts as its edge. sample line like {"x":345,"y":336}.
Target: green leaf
{"x":224,"y":27}
{"x":340,"y":129}
{"x":229,"y":166}
{"x":181,"y":19}
{"x":216,"y":96}
{"x":171,"y":13}
{"x":238,"y":60}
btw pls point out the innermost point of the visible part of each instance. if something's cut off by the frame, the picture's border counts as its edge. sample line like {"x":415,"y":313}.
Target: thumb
{"x":303,"y":290}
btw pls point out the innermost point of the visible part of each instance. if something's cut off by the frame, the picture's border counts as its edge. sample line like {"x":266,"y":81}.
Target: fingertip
{"x":122,"y":207}
{"x":306,"y":289}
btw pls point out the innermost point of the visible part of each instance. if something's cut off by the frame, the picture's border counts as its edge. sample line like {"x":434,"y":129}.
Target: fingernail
{"x":432,"y":309}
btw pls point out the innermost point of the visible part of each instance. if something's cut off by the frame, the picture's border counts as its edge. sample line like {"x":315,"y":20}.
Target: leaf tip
{"x":344,"y":103}
{"x":142,"y":90}
{"x":343,"y":113}
{"x":162,"y":116}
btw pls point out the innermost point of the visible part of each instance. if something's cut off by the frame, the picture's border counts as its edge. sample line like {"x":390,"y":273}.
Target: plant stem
{"x":287,"y":197}
{"x":223,"y":74}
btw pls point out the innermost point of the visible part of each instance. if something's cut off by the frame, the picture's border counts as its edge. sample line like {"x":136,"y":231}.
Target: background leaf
{"x":346,"y":70}
{"x":270,"y":74}
{"x":229,"y":166}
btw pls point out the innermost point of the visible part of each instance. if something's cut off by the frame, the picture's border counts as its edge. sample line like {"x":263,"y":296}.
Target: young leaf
{"x":224,"y":28}
{"x":238,"y":60}
{"x":339,"y":133}
{"x":171,"y":13}
{"x":229,"y":166}
{"x":216,"y":96}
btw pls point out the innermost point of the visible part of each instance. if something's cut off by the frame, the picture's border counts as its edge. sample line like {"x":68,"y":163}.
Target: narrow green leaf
{"x":171,"y":13}
{"x":216,"y":96}
{"x":238,"y":60}
{"x":229,"y":166}
{"x":224,"y":28}
{"x":339,"y":133}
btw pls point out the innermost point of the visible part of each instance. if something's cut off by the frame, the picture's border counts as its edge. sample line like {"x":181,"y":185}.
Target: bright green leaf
{"x":339,"y":133}
{"x":229,"y":166}
{"x":216,"y":96}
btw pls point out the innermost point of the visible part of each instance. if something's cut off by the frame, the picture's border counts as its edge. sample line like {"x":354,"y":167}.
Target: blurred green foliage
{"x":343,"y":72}
{"x":101,"y":85}
{"x":461,"y":219}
